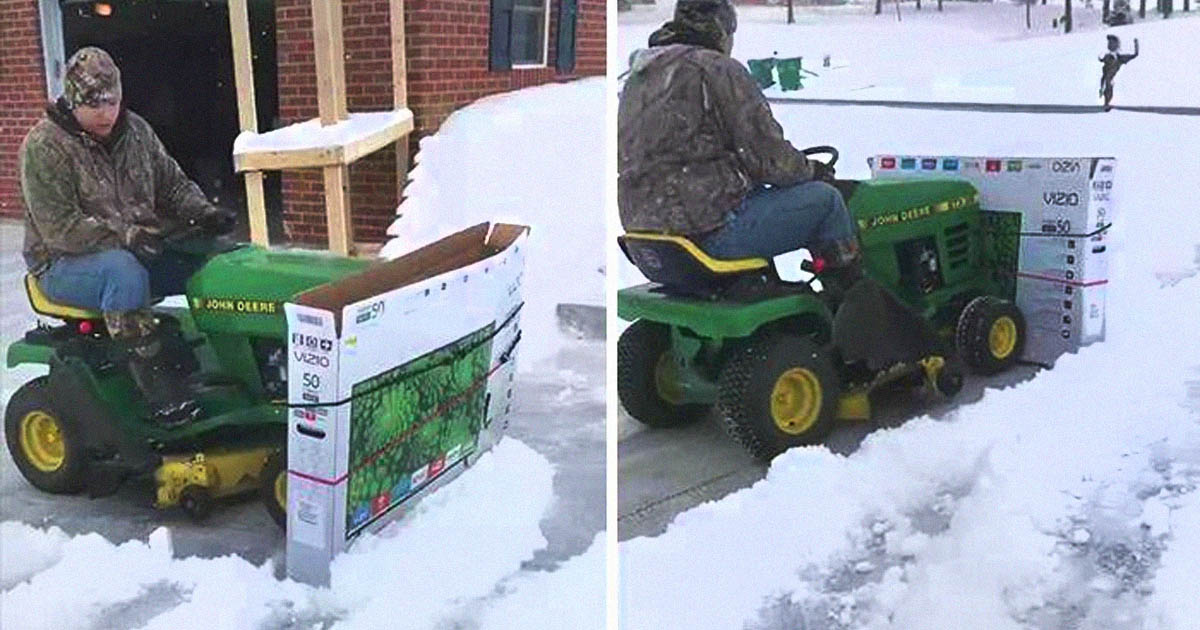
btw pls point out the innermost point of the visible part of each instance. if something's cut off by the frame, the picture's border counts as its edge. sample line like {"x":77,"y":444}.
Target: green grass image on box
{"x":405,"y":396}
{"x":1004,"y":230}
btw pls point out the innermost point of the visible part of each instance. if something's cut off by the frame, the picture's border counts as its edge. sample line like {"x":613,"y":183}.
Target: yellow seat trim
{"x":713,"y":264}
{"x":44,"y":306}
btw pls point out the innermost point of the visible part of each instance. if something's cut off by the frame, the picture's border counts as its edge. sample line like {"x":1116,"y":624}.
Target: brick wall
{"x":24,"y":95}
{"x":447,"y":49}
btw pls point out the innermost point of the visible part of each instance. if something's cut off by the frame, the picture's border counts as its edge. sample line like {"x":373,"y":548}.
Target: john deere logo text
{"x":234,"y":305}
{"x":912,"y":214}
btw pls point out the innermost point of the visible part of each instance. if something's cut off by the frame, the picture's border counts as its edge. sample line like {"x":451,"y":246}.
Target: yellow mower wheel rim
{"x":281,"y":489}
{"x":796,"y":401}
{"x":41,"y":441}
{"x":1002,"y":338}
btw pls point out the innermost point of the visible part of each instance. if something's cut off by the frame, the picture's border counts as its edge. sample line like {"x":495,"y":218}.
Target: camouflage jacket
{"x":694,"y":135}
{"x":82,"y":194}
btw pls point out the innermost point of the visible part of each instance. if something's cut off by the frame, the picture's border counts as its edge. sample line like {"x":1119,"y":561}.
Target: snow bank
{"x":571,"y":597}
{"x":535,"y":156}
{"x":456,"y":547}
{"x":1047,"y":505}
{"x":936,"y":522}
{"x":1174,"y":603}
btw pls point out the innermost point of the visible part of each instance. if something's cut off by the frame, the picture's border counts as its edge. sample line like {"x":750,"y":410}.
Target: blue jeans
{"x":115,"y":280}
{"x":772,"y":221}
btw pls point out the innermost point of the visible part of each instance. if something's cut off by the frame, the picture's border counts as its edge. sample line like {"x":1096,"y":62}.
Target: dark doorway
{"x":176,"y":64}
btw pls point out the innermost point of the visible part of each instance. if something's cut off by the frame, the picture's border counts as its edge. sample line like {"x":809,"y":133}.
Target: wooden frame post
{"x":330,"y":142}
{"x":399,"y":89}
{"x":243,"y":74}
{"x":331,"y":104}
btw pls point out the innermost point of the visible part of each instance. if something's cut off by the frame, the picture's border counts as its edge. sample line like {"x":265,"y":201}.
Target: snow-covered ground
{"x":515,"y":542}
{"x":1067,"y":501}
{"x":971,"y":52}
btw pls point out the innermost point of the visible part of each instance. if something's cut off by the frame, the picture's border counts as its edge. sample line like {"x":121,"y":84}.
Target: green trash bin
{"x":789,"y":73}
{"x":763,"y":71}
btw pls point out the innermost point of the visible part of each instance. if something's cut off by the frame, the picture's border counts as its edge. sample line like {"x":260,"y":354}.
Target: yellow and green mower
{"x":776,"y":362}
{"x":84,"y":426}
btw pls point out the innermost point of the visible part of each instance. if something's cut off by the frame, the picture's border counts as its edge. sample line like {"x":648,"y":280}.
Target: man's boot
{"x":140,"y":344}
{"x":842,"y":269}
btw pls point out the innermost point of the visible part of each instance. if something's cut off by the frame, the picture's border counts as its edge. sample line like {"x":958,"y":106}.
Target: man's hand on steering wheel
{"x":822,"y":171}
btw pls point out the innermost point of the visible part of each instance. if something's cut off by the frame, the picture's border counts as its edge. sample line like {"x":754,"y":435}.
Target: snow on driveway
{"x":1067,"y":501}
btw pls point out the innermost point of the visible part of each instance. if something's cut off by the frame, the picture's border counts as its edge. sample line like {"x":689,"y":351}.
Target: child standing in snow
{"x":1113,"y":60}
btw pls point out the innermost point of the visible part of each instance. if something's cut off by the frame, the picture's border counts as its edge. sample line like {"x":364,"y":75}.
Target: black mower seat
{"x":677,"y":261}
{"x":43,"y":305}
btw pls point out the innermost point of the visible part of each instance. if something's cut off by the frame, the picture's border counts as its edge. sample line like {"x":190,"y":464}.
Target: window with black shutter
{"x":518,"y":33}
{"x":565,"y":46}
{"x":499,"y":49}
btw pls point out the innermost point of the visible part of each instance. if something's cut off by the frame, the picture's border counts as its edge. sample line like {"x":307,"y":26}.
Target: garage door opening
{"x":176,"y":64}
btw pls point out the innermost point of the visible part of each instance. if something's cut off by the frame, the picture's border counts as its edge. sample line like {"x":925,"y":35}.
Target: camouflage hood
{"x":706,"y":23}
{"x":694,"y":136}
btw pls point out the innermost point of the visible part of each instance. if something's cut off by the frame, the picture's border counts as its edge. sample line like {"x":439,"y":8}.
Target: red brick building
{"x":177,"y":73}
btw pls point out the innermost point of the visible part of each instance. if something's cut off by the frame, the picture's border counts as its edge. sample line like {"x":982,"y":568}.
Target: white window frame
{"x":545,"y":42}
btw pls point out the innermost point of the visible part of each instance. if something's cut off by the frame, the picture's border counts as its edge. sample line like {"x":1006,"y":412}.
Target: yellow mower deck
{"x":220,"y":473}
{"x":855,"y":404}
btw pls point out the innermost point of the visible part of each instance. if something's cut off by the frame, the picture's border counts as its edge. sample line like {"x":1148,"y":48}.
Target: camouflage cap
{"x":702,"y":13}
{"x":92,"y":78}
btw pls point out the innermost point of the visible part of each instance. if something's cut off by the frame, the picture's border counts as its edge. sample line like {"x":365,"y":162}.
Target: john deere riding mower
{"x":782,"y":361}
{"x":85,"y":425}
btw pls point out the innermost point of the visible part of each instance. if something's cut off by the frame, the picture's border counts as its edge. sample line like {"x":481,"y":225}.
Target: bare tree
{"x":940,"y":4}
{"x":1104,"y":13}
{"x":1067,"y":18}
{"x":918,"y":5}
{"x":878,"y":7}
{"x":1142,"y":10}
{"x":791,"y":15}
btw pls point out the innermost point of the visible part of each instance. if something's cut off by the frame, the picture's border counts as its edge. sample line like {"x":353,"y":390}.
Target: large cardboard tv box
{"x":398,"y":379}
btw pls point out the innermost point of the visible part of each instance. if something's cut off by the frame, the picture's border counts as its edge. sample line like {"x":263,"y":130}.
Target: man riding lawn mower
{"x":113,"y":224}
{"x":709,"y":191}
{"x":101,"y":193}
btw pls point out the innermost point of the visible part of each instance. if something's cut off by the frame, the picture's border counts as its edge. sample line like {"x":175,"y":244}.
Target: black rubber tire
{"x":68,"y":478}
{"x":275,"y":467}
{"x":974,"y":325}
{"x":196,"y":502}
{"x":746,"y":384}
{"x":638,"y":351}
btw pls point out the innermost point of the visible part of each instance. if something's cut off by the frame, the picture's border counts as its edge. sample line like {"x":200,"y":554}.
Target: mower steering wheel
{"x":823,"y":149}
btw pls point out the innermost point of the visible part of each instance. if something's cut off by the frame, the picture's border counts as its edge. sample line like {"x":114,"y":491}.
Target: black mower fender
{"x":114,"y":455}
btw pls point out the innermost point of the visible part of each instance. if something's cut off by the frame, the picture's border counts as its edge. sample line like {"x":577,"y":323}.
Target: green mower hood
{"x":885,"y":208}
{"x":243,"y":291}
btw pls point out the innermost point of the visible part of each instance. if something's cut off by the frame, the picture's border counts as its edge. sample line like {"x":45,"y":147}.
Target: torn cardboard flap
{"x":458,"y":250}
